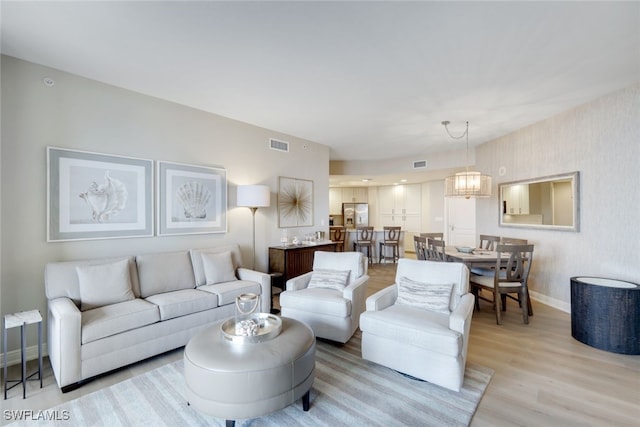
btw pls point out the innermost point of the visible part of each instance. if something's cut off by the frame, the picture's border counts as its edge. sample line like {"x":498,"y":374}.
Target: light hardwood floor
{"x":543,"y":377}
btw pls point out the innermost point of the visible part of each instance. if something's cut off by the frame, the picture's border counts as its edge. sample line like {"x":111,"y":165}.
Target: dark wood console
{"x":294,"y":260}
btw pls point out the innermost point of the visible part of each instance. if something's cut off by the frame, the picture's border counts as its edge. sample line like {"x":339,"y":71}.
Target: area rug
{"x":347,"y":391}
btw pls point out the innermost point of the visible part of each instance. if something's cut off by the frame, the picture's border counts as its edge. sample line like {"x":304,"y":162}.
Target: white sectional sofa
{"x":107,"y":313}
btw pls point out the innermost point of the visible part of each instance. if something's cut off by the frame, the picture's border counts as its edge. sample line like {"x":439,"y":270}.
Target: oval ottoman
{"x":235,"y":381}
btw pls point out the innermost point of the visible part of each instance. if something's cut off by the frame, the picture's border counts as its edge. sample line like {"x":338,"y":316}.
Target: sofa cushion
{"x":164,"y":272}
{"x":329,"y":279}
{"x":218,"y":268}
{"x":421,"y":328}
{"x":227,"y":292}
{"x":427,"y":296}
{"x":318,"y":301}
{"x":115,"y":318}
{"x":198,"y":264}
{"x":180,"y":303}
{"x":104,"y":284}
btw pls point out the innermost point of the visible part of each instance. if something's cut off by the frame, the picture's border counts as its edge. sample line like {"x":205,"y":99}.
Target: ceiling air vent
{"x":420,"y":164}
{"x":278,"y":145}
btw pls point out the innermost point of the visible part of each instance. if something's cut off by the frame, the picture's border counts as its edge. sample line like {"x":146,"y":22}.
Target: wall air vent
{"x":420,"y":164}
{"x":276,"y":144}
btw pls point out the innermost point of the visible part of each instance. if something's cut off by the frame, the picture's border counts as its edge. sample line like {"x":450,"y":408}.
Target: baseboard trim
{"x":13,"y":356}
{"x":552,"y":302}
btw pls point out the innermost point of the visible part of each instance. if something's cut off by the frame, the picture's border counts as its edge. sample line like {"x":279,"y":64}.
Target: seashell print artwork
{"x":194,"y":198}
{"x":107,"y":199}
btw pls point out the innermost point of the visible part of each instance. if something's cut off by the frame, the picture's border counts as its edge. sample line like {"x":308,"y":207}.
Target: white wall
{"x":87,"y":115}
{"x":601,"y":140}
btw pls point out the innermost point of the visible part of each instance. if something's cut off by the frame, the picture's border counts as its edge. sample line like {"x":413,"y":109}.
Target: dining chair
{"x":364,"y":240}
{"x":433,"y":235}
{"x":513,"y":241}
{"x":436,"y":250}
{"x":338,"y":235}
{"x":489,"y":242}
{"x":420,"y":245}
{"x":390,"y":239}
{"x":508,"y":278}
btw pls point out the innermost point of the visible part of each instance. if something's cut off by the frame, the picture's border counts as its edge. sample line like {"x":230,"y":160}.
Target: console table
{"x":294,"y":260}
{"x":605,"y":314}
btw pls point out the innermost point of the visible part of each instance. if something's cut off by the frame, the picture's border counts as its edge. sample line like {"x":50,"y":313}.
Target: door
{"x":460,"y":228}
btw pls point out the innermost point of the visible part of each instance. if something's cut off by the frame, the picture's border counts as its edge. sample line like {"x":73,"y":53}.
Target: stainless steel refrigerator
{"x":355,"y":214}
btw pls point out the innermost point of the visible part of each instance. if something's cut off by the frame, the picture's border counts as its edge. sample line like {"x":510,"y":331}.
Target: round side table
{"x":605,"y":314}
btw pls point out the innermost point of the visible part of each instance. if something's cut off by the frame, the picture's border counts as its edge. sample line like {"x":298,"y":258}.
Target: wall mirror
{"x":550,"y":202}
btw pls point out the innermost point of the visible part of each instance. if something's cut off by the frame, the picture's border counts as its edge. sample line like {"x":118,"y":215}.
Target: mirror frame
{"x":575,"y":179}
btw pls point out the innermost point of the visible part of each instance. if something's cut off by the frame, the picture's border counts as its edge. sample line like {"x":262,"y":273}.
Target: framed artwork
{"x":295,"y":202}
{"x":97,"y":196}
{"x":191,"y":199}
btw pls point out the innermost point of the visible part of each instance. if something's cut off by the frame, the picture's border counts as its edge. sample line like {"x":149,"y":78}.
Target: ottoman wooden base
{"x":236,"y":381}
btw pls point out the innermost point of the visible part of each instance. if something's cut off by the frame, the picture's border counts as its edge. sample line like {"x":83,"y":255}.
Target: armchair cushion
{"x":319,"y":301}
{"x":353,"y":261}
{"x":329,"y":279}
{"x":422,"y":328}
{"x":428,"y":296}
{"x":104,"y":284}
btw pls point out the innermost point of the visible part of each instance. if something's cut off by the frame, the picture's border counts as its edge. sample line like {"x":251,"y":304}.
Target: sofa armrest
{"x":382,"y":299}
{"x":64,"y":340}
{"x":264,"y":280}
{"x":299,"y":282}
{"x":460,"y":318}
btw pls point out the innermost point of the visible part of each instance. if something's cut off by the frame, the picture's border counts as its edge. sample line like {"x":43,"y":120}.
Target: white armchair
{"x":420,"y":325}
{"x":330,"y":298}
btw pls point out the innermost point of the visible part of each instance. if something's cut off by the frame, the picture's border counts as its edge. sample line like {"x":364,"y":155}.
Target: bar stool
{"x":338,"y":234}
{"x":22,"y":319}
{"x":364,"y":240}
{"x":391,"y":239}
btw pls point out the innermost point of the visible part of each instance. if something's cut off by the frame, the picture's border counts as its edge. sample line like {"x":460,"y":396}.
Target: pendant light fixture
{"x":466,"y":184}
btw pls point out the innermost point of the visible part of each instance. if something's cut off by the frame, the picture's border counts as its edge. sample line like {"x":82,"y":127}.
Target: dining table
{"x":476,"y":257}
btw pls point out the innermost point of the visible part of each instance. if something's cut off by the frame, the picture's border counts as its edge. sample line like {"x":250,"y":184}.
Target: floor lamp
{"x":254,"y":197}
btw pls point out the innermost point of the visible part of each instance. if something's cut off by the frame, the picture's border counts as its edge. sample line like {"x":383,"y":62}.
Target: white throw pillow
{"x":427,"y":296}
{"x":331,"y":279}
{"x":218,"y":268}
{"x":104,"y":284}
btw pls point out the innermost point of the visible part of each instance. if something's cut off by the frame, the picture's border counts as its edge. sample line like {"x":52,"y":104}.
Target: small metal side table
{"x":276,"y":281}
{"x":22,"y":319}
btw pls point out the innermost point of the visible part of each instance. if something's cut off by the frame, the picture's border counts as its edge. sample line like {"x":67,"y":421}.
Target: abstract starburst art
{"x":295,"y":202}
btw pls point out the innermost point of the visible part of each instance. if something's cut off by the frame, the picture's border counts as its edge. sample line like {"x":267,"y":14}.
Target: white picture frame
{"x":97,"y":196}
{"x":191,"y":199}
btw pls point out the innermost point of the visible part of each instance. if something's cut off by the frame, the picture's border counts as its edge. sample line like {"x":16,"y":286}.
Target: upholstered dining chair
{"x":420,"y":325}
{"x":420,"y":245}
{"x":338,"y":234}
{"x":364,"y":240}
{"x":508,"y":278}
{"x":436,"y":250}
{"x":331,"y":297}
{"x":390,"y":240}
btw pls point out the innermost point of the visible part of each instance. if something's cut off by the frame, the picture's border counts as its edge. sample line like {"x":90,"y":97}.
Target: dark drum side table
{"x":605,"y":314}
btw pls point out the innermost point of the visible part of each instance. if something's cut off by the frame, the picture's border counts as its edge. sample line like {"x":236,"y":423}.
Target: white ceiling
{"x":372,"y":80}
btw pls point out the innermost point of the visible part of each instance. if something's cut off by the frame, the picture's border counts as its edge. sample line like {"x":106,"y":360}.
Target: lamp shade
{"x":253,"y":196}
{"x":468,"y":184}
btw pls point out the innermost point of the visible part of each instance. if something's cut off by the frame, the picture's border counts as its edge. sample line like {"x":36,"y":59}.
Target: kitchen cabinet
{"x":355,"y":195}
{"x":335,"y":201}
{"x":516,"y":199}
{"x":340,"y":195}
{"x":400,"y":205}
